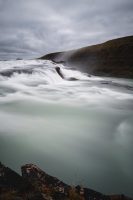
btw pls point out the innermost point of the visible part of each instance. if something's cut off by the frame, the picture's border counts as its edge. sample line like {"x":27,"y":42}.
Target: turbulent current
{"x":79,"y":131}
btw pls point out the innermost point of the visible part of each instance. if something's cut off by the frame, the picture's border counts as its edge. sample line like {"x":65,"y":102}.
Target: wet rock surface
{"x":35,"y":184}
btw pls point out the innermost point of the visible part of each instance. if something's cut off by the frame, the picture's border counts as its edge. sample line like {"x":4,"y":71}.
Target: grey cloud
{"x":38,"y":27}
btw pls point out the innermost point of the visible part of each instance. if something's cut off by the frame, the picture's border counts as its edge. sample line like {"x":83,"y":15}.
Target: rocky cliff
{"x":112,"y":58}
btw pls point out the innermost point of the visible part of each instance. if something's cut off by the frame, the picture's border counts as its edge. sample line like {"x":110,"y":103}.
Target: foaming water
{"x":80,"y":131}
{"x":43,"y":82}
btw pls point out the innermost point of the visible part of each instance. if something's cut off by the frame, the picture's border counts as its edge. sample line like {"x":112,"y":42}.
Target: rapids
{"x":80,"y":131}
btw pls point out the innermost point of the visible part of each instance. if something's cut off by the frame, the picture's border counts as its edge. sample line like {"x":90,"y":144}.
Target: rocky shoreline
{"x":35,"y":184}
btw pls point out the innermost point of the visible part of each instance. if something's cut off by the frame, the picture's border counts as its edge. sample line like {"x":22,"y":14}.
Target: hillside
{"x":112,"y":58}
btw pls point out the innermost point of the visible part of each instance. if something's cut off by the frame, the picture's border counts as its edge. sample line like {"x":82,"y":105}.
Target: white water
{"x":80,"y":131}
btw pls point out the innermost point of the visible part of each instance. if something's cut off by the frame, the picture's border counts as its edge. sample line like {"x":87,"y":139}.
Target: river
{"x":79,"y":131}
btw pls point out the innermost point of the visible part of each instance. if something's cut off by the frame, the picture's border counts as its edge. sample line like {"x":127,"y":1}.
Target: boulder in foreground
{"x":35,"y":184}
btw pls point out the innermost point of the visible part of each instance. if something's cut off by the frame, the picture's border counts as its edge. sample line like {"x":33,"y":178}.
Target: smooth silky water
{"x":79,"y":131}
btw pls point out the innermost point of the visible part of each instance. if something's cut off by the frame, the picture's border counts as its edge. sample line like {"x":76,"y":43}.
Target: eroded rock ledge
{"x":35,"y":184}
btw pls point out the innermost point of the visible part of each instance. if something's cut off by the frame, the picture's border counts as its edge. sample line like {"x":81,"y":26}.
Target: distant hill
{"x":112,"y":58}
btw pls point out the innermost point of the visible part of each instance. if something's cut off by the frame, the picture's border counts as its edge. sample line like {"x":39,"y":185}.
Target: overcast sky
{"x":30,"y":28}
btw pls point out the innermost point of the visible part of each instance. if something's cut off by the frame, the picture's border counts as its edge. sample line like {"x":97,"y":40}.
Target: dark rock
{"x":18,"y":58}
{"x":32,"y":172}
{"x":44,"y":182}
{"x":10,"y":179}
{"x":35,"y":184}
{"x":10,"y":72}
{"x":119,"y":197}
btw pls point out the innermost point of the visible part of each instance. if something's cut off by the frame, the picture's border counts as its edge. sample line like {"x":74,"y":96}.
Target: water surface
{"x":79,"y":131}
